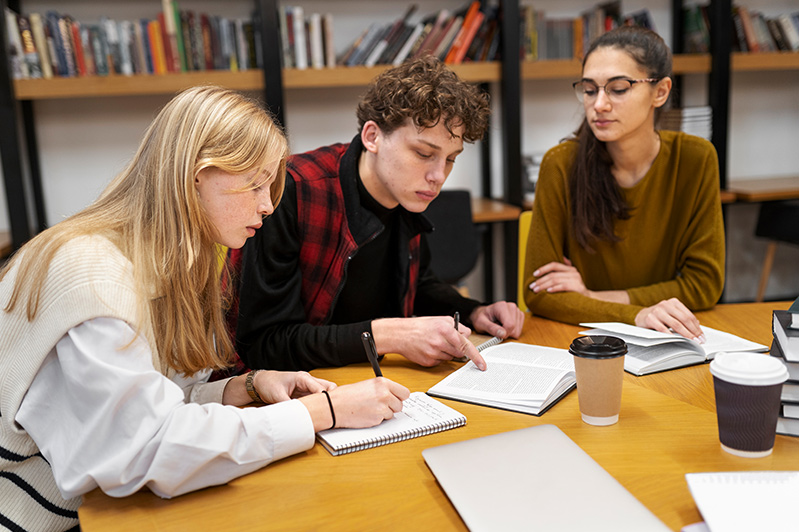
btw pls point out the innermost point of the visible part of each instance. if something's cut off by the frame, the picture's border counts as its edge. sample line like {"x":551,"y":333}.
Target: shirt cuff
{"x":208,"y":392}
{"x":291,"y":427}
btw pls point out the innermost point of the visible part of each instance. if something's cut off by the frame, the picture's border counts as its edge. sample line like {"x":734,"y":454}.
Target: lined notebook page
{"x":746,"y":500}
{"x":420,"y":415}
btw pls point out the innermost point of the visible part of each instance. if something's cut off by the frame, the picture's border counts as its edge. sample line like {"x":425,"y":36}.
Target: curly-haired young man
{"x":346,"y":252}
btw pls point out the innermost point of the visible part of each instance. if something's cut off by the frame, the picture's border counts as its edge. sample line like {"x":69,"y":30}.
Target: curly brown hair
{"x":426,"y":91}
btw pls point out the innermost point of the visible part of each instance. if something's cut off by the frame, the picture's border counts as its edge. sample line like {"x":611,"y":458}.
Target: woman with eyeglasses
{"x":627,"y":222}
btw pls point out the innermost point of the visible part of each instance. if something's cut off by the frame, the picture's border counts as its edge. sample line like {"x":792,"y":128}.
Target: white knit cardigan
{"x":88,"y":278}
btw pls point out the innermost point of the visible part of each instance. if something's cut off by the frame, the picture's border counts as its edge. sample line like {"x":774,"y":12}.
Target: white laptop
{"x":534,"y":479}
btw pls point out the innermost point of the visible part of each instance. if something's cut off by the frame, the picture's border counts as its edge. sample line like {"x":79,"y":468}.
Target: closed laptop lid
{"x":535,"y":478}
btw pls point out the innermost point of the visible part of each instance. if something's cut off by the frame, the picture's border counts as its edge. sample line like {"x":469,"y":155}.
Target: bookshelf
{"x":20,"y":94}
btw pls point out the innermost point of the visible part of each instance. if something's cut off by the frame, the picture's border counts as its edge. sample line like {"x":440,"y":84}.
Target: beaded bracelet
{"x":332,"y":413}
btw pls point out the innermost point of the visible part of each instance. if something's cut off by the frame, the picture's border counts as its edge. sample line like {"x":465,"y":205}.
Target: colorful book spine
{"x":29,"y":53}
{"x":157,"y":47}
{"x":40,"y":39}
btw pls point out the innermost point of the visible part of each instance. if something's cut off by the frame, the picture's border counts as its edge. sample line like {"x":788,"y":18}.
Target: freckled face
{"x":634,"y":115}
{"x":235,"y":213}
{"x":408,"y":167}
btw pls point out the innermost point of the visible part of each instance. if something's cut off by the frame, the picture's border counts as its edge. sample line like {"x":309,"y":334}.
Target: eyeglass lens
{"x":616,"y":90}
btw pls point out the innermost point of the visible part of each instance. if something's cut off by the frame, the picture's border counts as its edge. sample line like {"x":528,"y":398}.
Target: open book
{"x":420,"y":415}
{"x":650,"y":351}
{"x":520,"y":377}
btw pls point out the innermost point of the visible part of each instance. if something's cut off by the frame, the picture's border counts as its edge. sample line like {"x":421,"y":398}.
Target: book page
{"x":531,"y":355}
{"x":516,"y":373}
{"x":649,"y":355}
{"x":720,"y":341}
{"x":649,"y":350}
{"x":419,"y":412}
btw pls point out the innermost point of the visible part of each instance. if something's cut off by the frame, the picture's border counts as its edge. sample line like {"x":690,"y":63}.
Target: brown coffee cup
{"x":599,"y":366}
{"x":747,"y":388}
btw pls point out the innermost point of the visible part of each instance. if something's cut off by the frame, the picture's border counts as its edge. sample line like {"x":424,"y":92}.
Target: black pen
{"x":371,"y":353}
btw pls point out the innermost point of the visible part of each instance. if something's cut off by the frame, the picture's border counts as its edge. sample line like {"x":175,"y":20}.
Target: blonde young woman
{"x":627,"y":222}
{"x":112,"y":321}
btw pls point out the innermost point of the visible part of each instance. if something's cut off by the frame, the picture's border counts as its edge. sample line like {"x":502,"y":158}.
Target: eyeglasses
{"x":617,"y":90}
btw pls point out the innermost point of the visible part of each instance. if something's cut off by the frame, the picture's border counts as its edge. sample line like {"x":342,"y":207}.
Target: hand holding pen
{"x":424,"y":340}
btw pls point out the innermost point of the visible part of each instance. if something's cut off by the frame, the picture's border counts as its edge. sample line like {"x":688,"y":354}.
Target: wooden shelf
{"x":552,"y":69}
{"x":691,"y":64}
{"x":92,"y":86}
{"x":361,"y":75}
{"x":44,"y":89}
{"x":571,"y":68}
{"x":746,"y":62}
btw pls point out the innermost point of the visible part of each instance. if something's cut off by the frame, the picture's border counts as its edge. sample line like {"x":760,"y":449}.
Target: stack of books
{"x":696,"y":121}
{"x":786,"y":347}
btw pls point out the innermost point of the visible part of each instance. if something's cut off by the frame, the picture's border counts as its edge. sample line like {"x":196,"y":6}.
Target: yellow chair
{"x":524,"y":231}
{"x":221,"y":257}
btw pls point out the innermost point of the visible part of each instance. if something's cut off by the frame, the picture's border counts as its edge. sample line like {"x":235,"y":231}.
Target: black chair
{"x":455,"y":241}
{"x":777,"y":221}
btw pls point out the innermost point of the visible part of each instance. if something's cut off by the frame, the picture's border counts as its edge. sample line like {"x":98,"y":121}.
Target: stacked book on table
{"x":786,"y":347}
{"x":696,"y":121}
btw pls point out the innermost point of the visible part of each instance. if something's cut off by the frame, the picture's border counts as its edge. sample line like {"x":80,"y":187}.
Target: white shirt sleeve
{"x":102,"y":415}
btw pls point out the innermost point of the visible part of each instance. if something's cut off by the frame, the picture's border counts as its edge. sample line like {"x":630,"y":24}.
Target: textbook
{"x":520,"y":377}
{"x":786,"y":336}
{"x":650,"y":351}
{"x":421,"y":415}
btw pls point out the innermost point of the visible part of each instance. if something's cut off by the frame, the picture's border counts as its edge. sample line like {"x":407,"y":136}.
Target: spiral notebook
{"x":421,"y":415}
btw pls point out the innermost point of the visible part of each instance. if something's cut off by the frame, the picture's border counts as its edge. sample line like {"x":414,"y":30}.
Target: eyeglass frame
{"x":632,"y":82}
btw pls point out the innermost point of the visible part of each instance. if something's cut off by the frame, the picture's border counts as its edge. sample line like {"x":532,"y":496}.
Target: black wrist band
{"x":332,"y":413}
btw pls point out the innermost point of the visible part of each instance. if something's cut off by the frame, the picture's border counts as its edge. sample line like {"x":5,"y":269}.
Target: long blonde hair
{"x":152,"y":213}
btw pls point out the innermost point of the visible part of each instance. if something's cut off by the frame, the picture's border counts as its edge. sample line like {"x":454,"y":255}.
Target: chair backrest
{"x":455,"y":241}
{"x":524,"y":232}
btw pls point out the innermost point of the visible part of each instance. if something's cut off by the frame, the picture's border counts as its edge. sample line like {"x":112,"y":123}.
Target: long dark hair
{"x":596,"y":201}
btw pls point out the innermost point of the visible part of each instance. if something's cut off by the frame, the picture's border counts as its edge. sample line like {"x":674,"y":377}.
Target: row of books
{"x":752,"y":31}
{"x":566,"y":38}
{"x":55,"y":44}
{"x":785,"y":346}
{"x":467,"y":34}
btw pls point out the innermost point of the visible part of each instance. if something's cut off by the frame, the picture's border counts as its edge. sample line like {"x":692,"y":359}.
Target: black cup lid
{"x":598,"y":347}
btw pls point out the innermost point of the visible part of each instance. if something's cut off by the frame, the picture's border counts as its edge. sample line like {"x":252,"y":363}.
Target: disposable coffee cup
{"x":747,"y":388}
{"x":599,"y":365}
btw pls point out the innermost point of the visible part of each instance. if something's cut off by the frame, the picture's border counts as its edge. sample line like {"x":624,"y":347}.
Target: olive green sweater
{"x":672,"y":245}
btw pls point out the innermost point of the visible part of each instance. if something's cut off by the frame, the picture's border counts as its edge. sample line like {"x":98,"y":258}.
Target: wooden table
{"x":486,"y":210}
{"x":667,"y":429}
{"x":769,"y":189}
